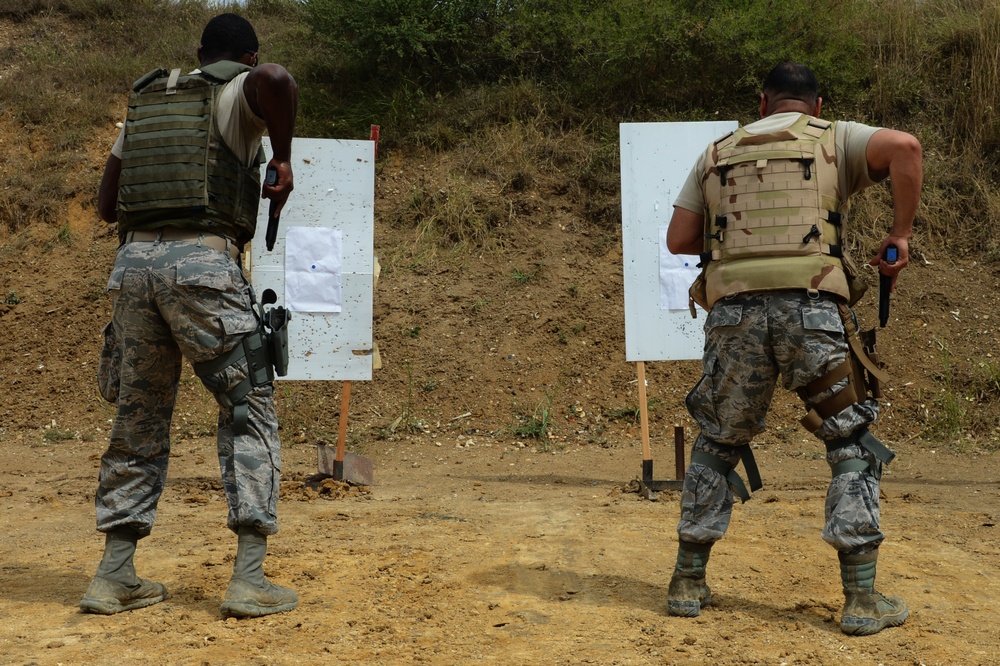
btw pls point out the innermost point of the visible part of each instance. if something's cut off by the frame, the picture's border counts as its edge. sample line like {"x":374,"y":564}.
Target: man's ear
{"x":819,"y":107}
{"x":763,"y":105}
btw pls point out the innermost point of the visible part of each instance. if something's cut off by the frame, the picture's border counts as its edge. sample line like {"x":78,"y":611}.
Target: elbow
{"x":107,"y":207}
{"x":912,"y":149}
{"x":109,"y":216}
{"x":908,"y":151}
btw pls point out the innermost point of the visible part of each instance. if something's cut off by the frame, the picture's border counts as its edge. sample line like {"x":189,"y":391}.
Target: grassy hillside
{"x":437,"y":77}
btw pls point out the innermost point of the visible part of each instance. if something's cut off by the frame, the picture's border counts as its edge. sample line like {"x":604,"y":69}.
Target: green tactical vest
{"x":176,"y":171}
{"x":775,"y":215}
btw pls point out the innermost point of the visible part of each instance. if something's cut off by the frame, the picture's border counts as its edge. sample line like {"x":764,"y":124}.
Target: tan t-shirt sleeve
{"x":692,"y":197}
{"x":852,"y":153}
{"x":239,"y":127}
{"x":116,"y":149}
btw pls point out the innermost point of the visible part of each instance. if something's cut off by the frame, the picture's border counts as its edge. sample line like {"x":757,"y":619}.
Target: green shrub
{"x":426,"y":41}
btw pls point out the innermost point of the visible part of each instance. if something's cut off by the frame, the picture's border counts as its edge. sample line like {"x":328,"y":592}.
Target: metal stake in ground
{"x":648,"y":487}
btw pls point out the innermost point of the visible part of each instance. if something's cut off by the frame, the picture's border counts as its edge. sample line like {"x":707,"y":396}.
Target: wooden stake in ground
{"x":345,"y":466}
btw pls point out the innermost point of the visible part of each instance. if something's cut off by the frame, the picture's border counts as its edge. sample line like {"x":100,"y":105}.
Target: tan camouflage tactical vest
{"x":774,"y":213}
{"x":176,"y":171}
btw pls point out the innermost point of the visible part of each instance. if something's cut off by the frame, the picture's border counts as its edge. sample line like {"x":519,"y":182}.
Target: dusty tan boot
{"x":250,"y":594}
{"x":866,"y":611}
{"x":688,"y":592}
{"x":116,"y":588}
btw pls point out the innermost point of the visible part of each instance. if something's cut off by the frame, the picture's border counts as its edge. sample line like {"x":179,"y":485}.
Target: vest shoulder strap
{"x":216,"y":73}
{"x":148,"y":78}
{"x":224,"y":70}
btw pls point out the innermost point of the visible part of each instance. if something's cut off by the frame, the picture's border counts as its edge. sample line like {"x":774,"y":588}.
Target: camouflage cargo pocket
{"x":109,"y":366}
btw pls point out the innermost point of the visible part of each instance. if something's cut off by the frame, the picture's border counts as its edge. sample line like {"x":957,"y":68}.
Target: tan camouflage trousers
{"x":173,"y":299}
{"x":752,"y":341}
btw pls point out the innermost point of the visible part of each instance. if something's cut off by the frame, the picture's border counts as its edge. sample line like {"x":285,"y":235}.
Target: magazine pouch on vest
{"x":774,"y":215}
{"x":176,"y":171}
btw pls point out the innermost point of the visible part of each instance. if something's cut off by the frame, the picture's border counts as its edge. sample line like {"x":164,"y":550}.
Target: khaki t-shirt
{"x":852,"y":144}
{"x":240,"y":127}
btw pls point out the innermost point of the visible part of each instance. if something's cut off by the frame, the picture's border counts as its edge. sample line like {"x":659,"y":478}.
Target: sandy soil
{"x":476,"y":544}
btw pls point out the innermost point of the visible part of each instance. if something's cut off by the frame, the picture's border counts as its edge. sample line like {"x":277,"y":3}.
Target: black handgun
{"x":890,"y":256}
{"x":271,"y":178}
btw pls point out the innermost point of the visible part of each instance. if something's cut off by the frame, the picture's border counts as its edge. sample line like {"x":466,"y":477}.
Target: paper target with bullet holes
{"x":655,"y":161}
{"x":322,"y":267}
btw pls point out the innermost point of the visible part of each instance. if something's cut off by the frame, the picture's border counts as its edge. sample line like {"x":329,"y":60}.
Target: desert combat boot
{"x":250,"y":594}
{"x":688,"y":592}
{"x":116,"y":588}
{"x":866,"y":611}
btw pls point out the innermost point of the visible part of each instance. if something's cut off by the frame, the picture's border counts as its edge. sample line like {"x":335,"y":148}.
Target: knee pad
{"x":727,"y":470}
{"x":879,"y":454}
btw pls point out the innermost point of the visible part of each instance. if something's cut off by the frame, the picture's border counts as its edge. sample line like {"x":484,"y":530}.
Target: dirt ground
{"x":477,"y":544}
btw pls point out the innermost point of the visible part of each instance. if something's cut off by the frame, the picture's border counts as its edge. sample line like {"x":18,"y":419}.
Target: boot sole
{"x":235,"y":609}
{"x":683,"y":608}
{"x":679,"y":608}
{"x":113,"y":606}
{"x":865,"y":626}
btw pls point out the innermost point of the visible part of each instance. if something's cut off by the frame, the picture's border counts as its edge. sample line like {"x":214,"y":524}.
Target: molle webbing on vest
{"x":774,"y":214}
{"x":174,"y":166}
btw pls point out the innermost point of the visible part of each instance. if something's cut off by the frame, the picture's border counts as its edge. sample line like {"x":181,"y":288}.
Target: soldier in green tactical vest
{"x":765,"y":208}
{"x":183,"y":185}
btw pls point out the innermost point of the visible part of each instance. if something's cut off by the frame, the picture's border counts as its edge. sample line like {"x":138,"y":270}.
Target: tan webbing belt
{"x":220,"y":243}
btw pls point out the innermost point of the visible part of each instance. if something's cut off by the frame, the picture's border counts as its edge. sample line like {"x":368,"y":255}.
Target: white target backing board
{"x":655,"y":160}
{"x":333,"y":200}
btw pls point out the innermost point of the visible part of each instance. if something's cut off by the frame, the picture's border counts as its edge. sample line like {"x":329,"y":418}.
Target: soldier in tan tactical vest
{"x":183,"y":185}
{"x":766,"y":209}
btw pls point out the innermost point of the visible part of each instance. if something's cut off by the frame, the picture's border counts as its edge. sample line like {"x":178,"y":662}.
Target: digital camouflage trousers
{"x":172,"y":299}
{"x":751,"y":341}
